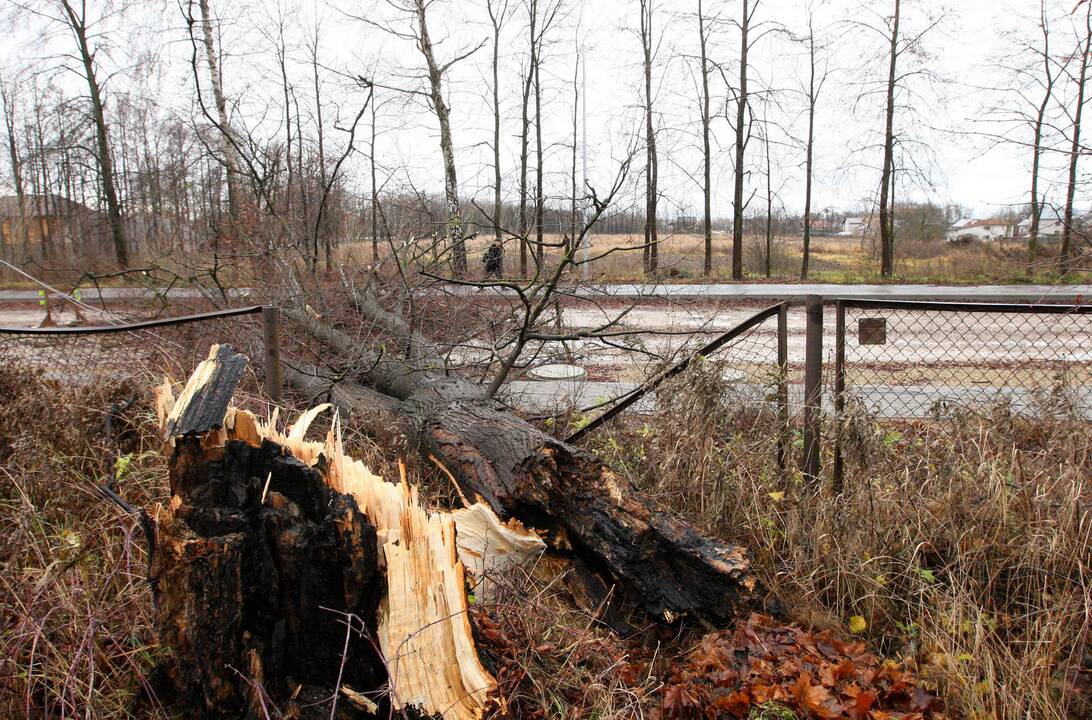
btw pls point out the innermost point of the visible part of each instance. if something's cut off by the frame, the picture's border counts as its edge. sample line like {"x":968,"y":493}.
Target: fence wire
{"x":142,"y":354}
{"x":916,"y":360}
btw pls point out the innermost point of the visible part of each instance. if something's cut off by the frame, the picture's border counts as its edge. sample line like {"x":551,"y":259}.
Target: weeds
{"x":961,"y":544}
{"x":76,"y":633}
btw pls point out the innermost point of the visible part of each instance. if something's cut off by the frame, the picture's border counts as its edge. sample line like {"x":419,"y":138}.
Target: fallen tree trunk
{"x":285,"y":572}
{"x":620,"y":541}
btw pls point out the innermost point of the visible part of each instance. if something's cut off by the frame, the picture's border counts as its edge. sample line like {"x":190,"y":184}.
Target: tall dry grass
{"x":963,"y":543}
{"x":76,"y":636}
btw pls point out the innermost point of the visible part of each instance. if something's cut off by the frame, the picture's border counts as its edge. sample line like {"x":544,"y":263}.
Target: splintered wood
{"x":423,"y":626}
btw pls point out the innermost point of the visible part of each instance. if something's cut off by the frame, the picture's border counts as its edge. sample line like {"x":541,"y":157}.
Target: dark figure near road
{"x":493,"y":259}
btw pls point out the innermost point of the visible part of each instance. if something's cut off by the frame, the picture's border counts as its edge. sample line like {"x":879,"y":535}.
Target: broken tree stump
{"x":285,"y":572}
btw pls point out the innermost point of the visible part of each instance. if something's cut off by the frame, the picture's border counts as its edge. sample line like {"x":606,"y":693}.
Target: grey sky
{"x":942,"y":158}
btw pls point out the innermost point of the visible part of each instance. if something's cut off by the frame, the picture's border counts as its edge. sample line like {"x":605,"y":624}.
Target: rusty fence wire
{"x":140,"y":351}
{"x":753,"y":384}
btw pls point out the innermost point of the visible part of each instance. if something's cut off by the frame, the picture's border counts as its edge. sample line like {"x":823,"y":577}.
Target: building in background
{"x":988,"y":230}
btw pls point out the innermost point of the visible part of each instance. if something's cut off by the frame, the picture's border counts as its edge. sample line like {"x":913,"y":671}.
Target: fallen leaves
{"x":817,"y":675}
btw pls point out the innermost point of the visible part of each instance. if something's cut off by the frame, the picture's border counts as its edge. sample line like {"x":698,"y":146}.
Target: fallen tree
{"x":621,"y":545}
{"x":285,"y":573}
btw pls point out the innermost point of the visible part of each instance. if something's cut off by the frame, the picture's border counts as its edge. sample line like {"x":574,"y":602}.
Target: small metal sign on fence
{"x":872,"y":331}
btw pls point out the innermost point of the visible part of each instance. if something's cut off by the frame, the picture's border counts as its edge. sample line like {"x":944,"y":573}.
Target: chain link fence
{"x":908,"y":360}
{"x":915,"y":359}
{"x":743,"y":375}
{"x":141,"y":351}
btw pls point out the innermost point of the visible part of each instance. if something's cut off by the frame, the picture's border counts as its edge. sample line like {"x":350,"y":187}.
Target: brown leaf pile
{"x":818,"y":675}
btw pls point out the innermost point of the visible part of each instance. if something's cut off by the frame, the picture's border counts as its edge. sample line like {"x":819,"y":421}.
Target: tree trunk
{"x":375,"y":192}
{"x":7,"y":96}
{"x":106,"y":165}
{"x":808,"y":167}
{"x":570,"y":246}
{"x":887,"y":224}
{"x":1037,"y":144}
{"x":587,"y":513}
{"x":540,"y":191}
{"x":651,"y":166}
{"x":707,"y":183}
{"x":498,"y":207}
{"x":1075,"y":153}
{"x":285,"y":573}
{"x":231,"y":165}
{"x":769,"y":202}
{"x":741,"y":142}
{"x":447,"y":145}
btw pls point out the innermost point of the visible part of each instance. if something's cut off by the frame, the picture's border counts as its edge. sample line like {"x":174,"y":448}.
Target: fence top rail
{"x":144,"y":325}
{"x":980,"y":307}
{"x":708,"y":349}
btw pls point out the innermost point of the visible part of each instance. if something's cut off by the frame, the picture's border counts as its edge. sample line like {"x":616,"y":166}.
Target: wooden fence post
{"x":839,"y":393}
{"x":274,"y":380}
{"x":783,"y":386}
{"x":813,"y":389}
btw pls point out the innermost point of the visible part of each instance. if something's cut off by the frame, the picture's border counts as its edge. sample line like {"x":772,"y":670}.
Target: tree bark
{"x":1075,"y":152}
{"x":254,"y":561}
{"x":741,"y":144}
{"x":887,"y":224}
{"x":587,"y":512}
{"x":288,"y":574}
{"x":78,"y":25}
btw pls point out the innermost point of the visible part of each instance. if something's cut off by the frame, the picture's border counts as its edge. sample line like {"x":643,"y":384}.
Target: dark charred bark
{"x":258,"y":569}
{"x":587,"y":512}
{"x":253,"y":584}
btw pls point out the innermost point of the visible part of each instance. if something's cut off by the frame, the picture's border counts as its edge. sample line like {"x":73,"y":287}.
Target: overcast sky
{"x":946,"y":106}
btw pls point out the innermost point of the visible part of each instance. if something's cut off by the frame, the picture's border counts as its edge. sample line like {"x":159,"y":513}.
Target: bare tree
{"x":887,"y":220}
{"x":1084,"y":48}
{"x":573,"y":217}
{"x":436,"y":71}
{"x":541,"y":16}
{"x":230,"y":160}
{"x":706,"y":119}
{"x":746,"y":18}
{"x":8,"y":99}
{"x":77,"y":23}
{"x":816,"y":81}
{"x":1047,"y":80}
{"x":651,"y":250}
{"x":498,"y":13}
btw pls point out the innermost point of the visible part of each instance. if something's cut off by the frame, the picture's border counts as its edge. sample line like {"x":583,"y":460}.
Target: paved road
{"x":91,"y":295}
{"x":714,"y":291}
{"x":797,"y":291}
{"x":899,"y":401}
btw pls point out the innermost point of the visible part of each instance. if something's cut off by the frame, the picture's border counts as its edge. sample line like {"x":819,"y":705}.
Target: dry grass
{"x":964,"y":544}
{"x":833,"y":259}
{"x":76,"y":633}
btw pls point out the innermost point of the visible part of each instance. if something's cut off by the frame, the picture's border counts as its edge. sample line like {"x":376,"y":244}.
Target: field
{"x":833,"y":259}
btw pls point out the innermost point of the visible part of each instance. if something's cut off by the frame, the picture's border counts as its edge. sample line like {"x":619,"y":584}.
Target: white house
{"x":1050,"y":223}
{"x":854,"y":226}
{"x":991,"y":229}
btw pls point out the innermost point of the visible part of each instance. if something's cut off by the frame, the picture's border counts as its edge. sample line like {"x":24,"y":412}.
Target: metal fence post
{"x":783,"y":386}
{"x":274,"y":382}
{"x":839,"y":391}
{"x":813,"y":388}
